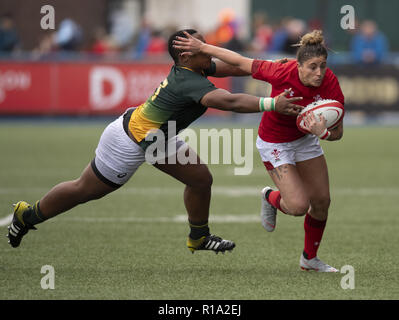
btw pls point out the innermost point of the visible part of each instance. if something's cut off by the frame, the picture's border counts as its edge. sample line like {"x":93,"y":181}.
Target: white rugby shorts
{"x":117,"y":156}
{"x":277,"y":154}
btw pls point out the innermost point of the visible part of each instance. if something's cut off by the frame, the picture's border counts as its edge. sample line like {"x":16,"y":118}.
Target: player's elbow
{"x":338,"y":133}
{"x":224,"y":100}
{"x":229,"y":102}
{"x":234,"y":102}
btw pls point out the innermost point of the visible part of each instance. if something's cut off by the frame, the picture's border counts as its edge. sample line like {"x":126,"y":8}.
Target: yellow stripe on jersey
{"x":140,"y":126}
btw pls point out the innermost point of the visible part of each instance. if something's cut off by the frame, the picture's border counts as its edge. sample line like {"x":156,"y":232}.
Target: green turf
{"x":115,"y":248}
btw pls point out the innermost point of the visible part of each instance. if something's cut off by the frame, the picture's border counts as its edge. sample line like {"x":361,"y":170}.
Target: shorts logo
{"x":121,"y":175}
{"x":276,"y":155}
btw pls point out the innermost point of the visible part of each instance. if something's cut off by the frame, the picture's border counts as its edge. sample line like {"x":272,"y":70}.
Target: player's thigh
{"x":279,"y":160}
{"x":188,"y":168}
{"x":314,"y":176}
{"x":292,"y":190}
{"x":92,"y":186}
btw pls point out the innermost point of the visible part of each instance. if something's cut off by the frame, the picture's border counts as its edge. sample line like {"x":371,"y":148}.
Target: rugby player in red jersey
{"x":181,"y":98}
{"x":294,"y":160}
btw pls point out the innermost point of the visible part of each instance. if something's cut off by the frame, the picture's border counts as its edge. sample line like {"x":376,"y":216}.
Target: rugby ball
{"x":332,"y":110}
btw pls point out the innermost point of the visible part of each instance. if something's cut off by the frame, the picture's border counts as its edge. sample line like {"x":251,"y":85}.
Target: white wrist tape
{"x":266,"y":104}
{"x":325,"y":134}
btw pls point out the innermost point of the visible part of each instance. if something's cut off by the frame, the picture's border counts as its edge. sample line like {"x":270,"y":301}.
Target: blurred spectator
{"x":315,"y":24}
{"x":296,"y":28}
{"x":8,"y":34}
{"x":280,"y":36}
{"x":45,"y":48}
{"x":235,"y":44}
{"x":122,"y":28}
{"x":225,"y":31}
{"x":157,"y":44}
{"x":102,"y":42}
{"x":142,"y":41}
{"x":263,"y":33}
{"x":69,"y":35}
{"x":150,"y":42}
{"x":369,"y":46}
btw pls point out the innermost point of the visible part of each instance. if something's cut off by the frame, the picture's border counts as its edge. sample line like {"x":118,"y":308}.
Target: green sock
{"x":33,"y":215}
{"x":198,"y":229}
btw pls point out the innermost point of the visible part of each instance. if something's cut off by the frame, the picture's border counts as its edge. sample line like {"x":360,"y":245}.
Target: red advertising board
{"x":80,"y":88}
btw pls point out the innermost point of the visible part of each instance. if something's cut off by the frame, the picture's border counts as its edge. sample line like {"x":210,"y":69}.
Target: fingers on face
{"x":186,"y":53}
{"x":181,"y":39}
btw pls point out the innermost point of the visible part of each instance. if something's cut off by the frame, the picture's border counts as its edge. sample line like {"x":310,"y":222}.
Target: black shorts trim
{"x":126,"y":118}
{"x":102,"y":178}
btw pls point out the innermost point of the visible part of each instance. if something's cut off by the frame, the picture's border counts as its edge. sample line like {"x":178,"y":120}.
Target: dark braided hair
{"x":311,"y":45}
{"x":174,"y":53}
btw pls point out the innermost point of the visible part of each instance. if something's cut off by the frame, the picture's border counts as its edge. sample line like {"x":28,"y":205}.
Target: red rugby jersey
{"x":276,"y":127}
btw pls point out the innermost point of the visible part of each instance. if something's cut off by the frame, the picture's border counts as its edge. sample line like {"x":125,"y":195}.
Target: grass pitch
{"x":131,"y":244}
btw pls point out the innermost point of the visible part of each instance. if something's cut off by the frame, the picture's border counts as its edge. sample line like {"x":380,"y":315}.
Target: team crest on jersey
{"x":276,"y":155}
{"x":317,"y":98}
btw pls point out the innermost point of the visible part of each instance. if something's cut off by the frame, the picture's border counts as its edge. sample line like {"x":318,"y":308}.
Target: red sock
{"x":274,"y":199}
{"x":313,"y":233}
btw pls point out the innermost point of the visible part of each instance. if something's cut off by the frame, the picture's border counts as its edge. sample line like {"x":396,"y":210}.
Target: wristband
{"x":325,"y":134}
{"x":266,"y":104}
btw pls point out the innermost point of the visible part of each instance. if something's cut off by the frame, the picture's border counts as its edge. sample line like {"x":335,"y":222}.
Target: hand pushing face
{"x":191,"y":54}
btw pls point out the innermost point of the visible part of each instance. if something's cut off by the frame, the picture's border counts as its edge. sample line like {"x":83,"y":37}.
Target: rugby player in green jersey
{"x":180,"y":99}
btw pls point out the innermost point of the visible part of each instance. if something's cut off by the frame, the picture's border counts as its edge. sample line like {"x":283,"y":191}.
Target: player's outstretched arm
{"x":224,"y":69}
{"x":191,"y":46}
{"x":245,"y":103}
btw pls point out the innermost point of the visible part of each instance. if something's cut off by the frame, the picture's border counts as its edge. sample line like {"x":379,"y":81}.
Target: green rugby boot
{"x":210,"y":242}
{"x":18,"y":228}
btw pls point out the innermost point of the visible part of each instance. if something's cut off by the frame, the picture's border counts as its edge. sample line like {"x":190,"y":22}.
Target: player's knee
{"x":299,"y":207}
{"x":321,"y":204}
{"x":203,"y":180}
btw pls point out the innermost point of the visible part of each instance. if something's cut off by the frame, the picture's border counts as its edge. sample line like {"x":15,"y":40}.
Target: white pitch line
{"x":245,"y":218}
{"x":6,"y":221}
{"x":176,"y":219}
{"x":238,"y":191}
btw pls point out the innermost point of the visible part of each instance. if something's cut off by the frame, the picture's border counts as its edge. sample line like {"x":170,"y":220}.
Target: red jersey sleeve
{"x":268,"y":71}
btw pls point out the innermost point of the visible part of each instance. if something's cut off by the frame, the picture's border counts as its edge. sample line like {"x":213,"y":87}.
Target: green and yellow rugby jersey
{"x":176,"y":99}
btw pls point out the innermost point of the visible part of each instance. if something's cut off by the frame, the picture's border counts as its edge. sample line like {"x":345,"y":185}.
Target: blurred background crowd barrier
{"x":106,"y":55}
